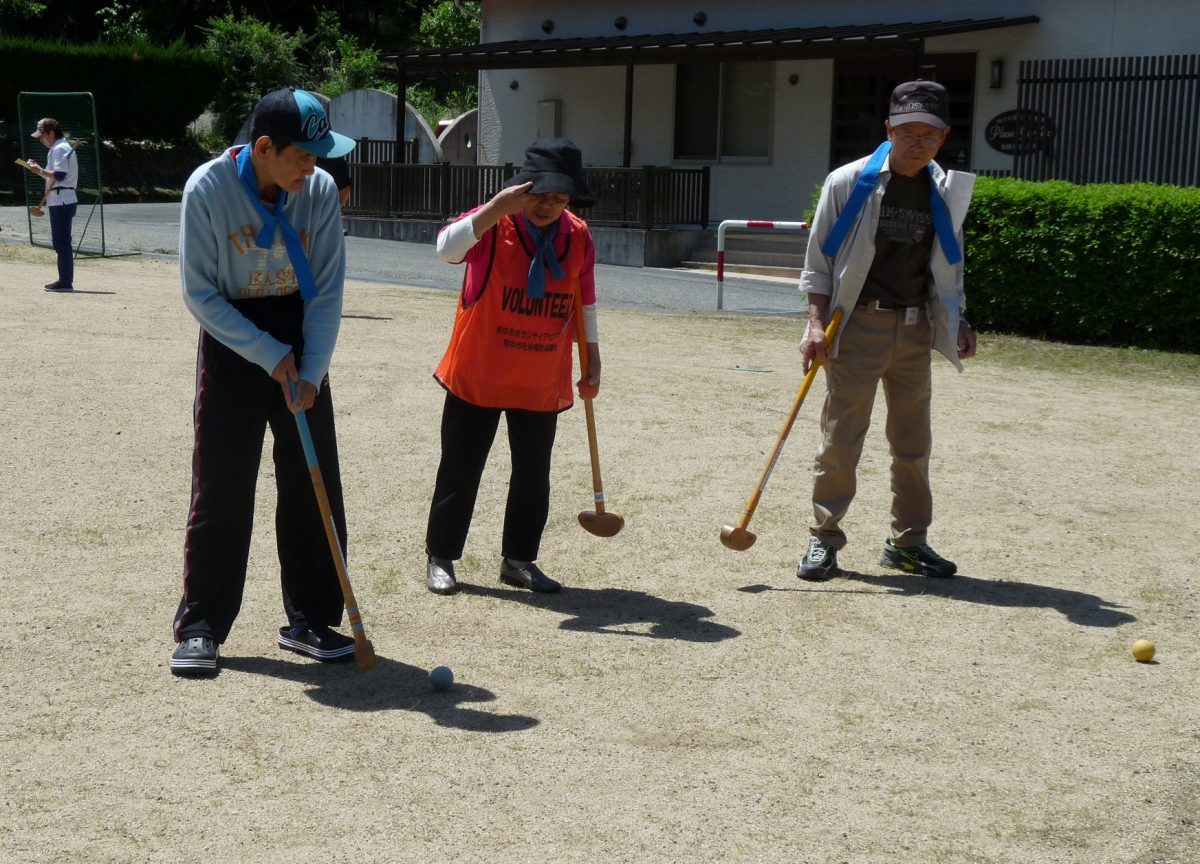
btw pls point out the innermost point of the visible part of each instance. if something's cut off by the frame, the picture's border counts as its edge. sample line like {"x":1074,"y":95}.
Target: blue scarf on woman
{"x":543,"y":258}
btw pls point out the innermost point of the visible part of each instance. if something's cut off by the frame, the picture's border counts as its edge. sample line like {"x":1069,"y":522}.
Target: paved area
{"x":153,"y":229}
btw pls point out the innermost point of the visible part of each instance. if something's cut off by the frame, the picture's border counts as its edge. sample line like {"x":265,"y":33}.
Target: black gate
{"x":1114,"y":119}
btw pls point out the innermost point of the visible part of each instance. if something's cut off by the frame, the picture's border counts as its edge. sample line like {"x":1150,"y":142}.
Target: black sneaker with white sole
{"x":195,"y":657}
{"x":819,"y":563}
{"x":916,"y":559}
{"x":320,"y":643}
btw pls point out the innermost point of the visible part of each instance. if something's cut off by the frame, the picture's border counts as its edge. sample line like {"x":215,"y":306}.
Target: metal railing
{"x":646,"y":197}
{"x":747,"y":226}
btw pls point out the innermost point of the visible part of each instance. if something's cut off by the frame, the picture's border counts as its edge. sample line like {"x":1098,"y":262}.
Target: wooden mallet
{"x":738,"y":538}
{"x":364,"y":651}
{"x":597,"y":521}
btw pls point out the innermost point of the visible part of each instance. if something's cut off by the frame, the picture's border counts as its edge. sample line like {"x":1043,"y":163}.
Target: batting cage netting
{"x":76,"y":115}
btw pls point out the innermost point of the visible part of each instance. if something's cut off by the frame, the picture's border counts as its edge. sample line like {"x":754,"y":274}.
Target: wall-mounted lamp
{"x":621,"y":23}
{"x":793,"y":79}
{"x":513,"y":85}
{"x":547,"y":26}
{"x":997,"y":79}
{"x":699,"y":19}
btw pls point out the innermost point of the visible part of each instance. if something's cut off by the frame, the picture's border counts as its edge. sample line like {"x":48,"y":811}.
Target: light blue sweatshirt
{"x":219,"y":262}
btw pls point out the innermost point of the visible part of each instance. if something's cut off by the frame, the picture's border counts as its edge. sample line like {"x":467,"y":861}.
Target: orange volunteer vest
{"x":507,"y":351}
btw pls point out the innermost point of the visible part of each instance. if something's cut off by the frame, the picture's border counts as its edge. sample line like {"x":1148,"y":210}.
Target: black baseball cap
{"x":920,"y":102}
{"x":294,"y":116}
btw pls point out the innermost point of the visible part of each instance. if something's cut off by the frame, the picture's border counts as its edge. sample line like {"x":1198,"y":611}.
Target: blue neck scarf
{"x":938,"y":211}
{"x":273,"y":220}
{"x":543,"y":259}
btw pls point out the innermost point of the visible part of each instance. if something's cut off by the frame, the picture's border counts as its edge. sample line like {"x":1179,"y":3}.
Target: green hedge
{"x":1101,"y":264}
{"x":141,"y":91}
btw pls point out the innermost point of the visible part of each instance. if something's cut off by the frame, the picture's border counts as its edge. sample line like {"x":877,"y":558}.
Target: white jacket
{"x":842,"y":277}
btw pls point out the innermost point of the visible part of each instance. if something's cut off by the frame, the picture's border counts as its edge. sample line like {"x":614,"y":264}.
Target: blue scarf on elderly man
{"x":273,"y":220}
{"x":943,"y":226}
{"x":544,"y":259}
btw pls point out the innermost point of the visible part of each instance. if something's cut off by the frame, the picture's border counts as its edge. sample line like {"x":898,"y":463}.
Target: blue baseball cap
{"x":297,"y":117}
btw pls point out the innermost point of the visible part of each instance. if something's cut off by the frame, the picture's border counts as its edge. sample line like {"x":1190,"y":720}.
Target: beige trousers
{"x":877,"y":345}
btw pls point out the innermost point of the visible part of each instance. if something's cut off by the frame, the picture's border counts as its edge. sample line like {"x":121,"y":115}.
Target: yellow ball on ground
{"x":1143,"y":650}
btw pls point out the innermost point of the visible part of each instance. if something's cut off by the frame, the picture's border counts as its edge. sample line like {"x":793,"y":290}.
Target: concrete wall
{"x":634,"y":247}
{"x":460,"y":140}
{"x":372,"y":114}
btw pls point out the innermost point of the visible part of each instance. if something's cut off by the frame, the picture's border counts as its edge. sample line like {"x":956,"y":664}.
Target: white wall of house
{"x":592,"y":98}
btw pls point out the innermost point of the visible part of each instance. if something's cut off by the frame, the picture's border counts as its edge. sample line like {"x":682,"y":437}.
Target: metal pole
{"x":748,"y":226}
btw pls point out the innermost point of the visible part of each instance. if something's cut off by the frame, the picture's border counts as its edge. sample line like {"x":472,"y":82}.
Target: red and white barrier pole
{"x":751,"y":225}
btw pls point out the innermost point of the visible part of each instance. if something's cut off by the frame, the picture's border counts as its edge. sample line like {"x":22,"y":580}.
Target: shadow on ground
{"x":620,"y":612}
{"x":1087,"y":610}
{"x":390,"y":686}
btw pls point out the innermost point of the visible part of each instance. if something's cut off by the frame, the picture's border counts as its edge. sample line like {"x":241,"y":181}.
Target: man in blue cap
{"x":262,"y":263}
{"x":886,"y":250}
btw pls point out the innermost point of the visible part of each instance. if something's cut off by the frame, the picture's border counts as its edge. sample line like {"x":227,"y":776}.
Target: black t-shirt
{"x":338,"y":169}
{"x":903,"y":243}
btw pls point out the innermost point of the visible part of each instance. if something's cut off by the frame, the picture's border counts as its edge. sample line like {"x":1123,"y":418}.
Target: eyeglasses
{"x":908,"y":139}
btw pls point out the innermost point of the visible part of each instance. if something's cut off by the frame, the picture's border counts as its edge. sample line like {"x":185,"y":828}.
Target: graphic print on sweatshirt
{"x":272,"y":274}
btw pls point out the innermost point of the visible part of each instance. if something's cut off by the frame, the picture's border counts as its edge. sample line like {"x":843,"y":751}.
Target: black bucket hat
{"x":554,"y":165}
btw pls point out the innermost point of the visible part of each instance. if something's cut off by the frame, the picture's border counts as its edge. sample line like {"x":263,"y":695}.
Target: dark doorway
{"x":860,"y":103}
{"x":955,"y":72}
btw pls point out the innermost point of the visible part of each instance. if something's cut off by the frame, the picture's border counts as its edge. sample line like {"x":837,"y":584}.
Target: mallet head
{"x":737,"y":539}
{"x":601,"y":524}
{"x":364,"y":654}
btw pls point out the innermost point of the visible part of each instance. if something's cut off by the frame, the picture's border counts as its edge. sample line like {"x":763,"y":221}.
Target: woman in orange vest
{"x":510,"y":353}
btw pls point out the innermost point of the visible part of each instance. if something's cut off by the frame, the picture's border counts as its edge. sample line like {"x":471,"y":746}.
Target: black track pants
{"x":467,"y":435}
{"x":235,"y":401}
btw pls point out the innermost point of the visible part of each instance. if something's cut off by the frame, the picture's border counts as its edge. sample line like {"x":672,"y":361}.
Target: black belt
{"x":880,"y":305}
{"x":61,"y":188}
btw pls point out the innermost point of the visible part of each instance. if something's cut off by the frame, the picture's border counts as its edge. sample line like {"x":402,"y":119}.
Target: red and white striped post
{"x":750,"y":226}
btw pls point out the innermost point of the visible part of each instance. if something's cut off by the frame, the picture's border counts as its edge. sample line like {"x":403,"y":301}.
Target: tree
{"x":121,"y":23}
{"x":446,"y":94}
{"x":257,"y":58}
{"x":446,"y":25}
{"x":19,"y":10}
{"x":339,"y":62}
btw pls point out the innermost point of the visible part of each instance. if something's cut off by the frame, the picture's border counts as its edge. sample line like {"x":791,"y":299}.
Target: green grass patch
{"x":1019,"y":353}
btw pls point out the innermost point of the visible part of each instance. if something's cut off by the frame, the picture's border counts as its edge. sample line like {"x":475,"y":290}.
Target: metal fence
{"x":378,"y":150}
{"x":645,"y":197}
{"x":1115,"y":119}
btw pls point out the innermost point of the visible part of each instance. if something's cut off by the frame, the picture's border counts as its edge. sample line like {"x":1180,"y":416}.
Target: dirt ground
{"x":679,"y":702}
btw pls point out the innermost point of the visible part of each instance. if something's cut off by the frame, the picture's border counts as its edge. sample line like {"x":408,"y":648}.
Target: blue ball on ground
{"x":441,"y":678}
